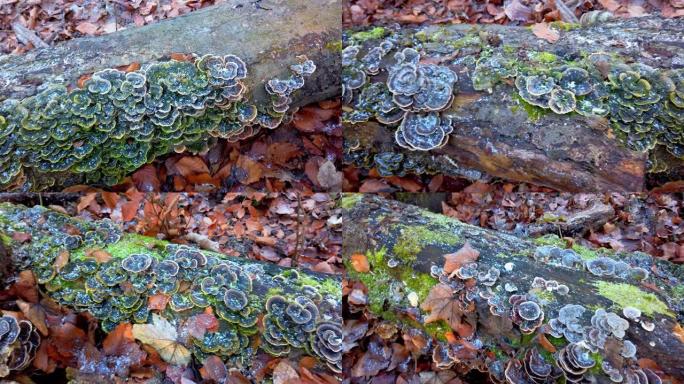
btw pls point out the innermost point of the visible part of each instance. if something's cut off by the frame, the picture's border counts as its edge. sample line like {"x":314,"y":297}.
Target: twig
{"x":25,"y":36}
{"x":295,"y":257}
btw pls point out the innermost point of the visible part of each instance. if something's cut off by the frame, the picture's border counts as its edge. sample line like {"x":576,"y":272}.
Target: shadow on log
{"x":504,"y":298}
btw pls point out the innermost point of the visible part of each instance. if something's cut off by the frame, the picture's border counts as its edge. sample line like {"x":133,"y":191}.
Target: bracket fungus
{"x":300,"y":313}
{"x":19,"y":341}
{"x":413,"y":94}
{"x":119,"y":121}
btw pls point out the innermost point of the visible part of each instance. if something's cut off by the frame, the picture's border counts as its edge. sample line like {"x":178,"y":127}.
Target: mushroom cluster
{"x":412,"y":96}
{"x":575,"y":360}
{"x":118,"y":290}
{"x":526,"y":313}
{"x":19,"y":342}
{"x":560,"y":94}
{"x":533,"y":369}
{"x":119,"y":120}
{"x":568,"y":324}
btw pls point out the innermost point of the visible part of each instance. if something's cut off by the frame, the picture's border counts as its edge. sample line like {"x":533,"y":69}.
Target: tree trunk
{"x":57,"y":248}
{"x":404,"y":243}
{"x":497,"y":133}
{"x":268,"y":37}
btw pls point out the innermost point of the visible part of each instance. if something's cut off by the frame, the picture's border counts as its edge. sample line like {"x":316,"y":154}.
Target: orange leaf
{"x":132,"y":67}
{"x":544,"y":31}
{"x":158,"y":301}
{"x":188,"y":165}
{"x":546,"y":344}
{"x":85,"y":201}
{"x":678,"y":332}
{"x":360,"y":263}
{"x":121,"y":334}
{"x":35,"y":313}
{"x":61,"y":260}
{"x":100,"y":255}
{"x":86,"y":28}
{"x":81,"y":80}
{"x":443,"y":304}
{"x":249,"y":170}
{"x":110,"y":199}
{"x":453,"y":261}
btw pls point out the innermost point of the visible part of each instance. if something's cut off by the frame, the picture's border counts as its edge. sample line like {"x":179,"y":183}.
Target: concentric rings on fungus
{"x":119,"y":121}
{"x":118,"y":291}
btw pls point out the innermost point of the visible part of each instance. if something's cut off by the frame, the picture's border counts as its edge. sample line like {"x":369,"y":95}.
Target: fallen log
{"x":203,"y":76}
{"x":122,"y":278}
{"x":497,"y":303}
{"x":493,"y":124}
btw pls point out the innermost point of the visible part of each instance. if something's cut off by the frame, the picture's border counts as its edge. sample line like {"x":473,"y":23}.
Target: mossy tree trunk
{"x":92,"y":266}
{"x":403,"y":243}
{"x":496,"y":133}
{"x":267,"y":37}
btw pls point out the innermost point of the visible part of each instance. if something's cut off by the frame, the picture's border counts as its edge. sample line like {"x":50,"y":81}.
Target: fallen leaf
{"x":146,"y":179}
{"x":517,"y":11}
{"x":544,"y":31}
{"x":85,"y":201}
{"x":162,"y":336}
{"x":249,"y":171}
{"x":35,"y":313}
{"x":158,"y":302}
{"x":453,"y":261}
{"x":214,"y":369}
{"x":86,"y":28}
{"x":328,"y":176}
{"x":100,"y":255}
{"x":61,"y":260}
{"x":444,"y":304}
{"x":283,"y":373}
{"x":198,"y":325}
{"x":360,"y":263}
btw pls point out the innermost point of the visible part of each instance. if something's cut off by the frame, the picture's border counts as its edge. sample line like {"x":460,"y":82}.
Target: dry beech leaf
{"x":100,"y":255}
{"x":453,"y":261}
{"x":162,"y":336}
{"x":61,"y":260}
{"x":35,"y":313}
{"x":544,"y":31}
{"x":444,"y":305}
{"x":360,"y":263}
{"x":283,"y":373}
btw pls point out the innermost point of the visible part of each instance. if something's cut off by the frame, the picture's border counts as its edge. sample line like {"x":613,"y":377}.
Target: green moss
{"x":349,"y":200}
{"x":544,"y":294}
{"x":584,"y":252}
{"x":626,"y":295}
{"x":543,"y":57}
{"x":335,"y":46}
{"x":563,"y":26}
{"x":420,"y":283}
{"x":437,"y":329}
{"x":375,"y":33}
{"x":6,"y":240}
{"x":555,"y":241}
{"x":329,"y":287}
{"x":533,"y":112}
{"x":412,"y":240}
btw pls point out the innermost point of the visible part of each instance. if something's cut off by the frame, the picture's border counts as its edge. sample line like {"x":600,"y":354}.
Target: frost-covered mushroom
{"x":136,"y":263}
{"x":423,"y":131}
{"x":327,"y":344}
{"x":601,"y":266}
{"x":538,"y":85}
{"x":562,"y":101}
{"x":576,"y":80}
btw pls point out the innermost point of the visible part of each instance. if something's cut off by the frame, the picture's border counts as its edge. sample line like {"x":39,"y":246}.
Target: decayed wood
{"x":494,"y":134}
{"x":379,"y":223}
{"x":268,"y":36}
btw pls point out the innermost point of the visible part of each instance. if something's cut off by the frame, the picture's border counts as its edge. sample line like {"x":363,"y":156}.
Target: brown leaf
{"x":374,"y":186}
{"x":283,"y":373}
{"x":61,"y":260}
{"x":100,"y":255}
{"x":86,"y":28}
{"x":544,"y":31}
{"x":214,"y":369}
{"x":110,"y":199}
{"x":26,"y":287}
{"x":85,"y":201}
{"x":187,"y":165}
{"x":198,"y":325}
{"x":610,"y":5}
{"x":453,"y":261}
{"x":158,"y":302}
{"x":517,"y":11}
{"x":35,"y":313}
{"x":328,"y":176}
{"x":282,"y":152}
{"x":444,"y":304}
{"x":360,"y":263}
{"x":146,"y":179}
{"x":546,"y":344}
{"x":249,"y":171}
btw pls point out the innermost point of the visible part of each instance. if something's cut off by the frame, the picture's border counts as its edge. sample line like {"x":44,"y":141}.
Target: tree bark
{"x":414,"y":239}
{"x":18,"y":236}
{"x":268,"y":36}
{"x":494,"y":133}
